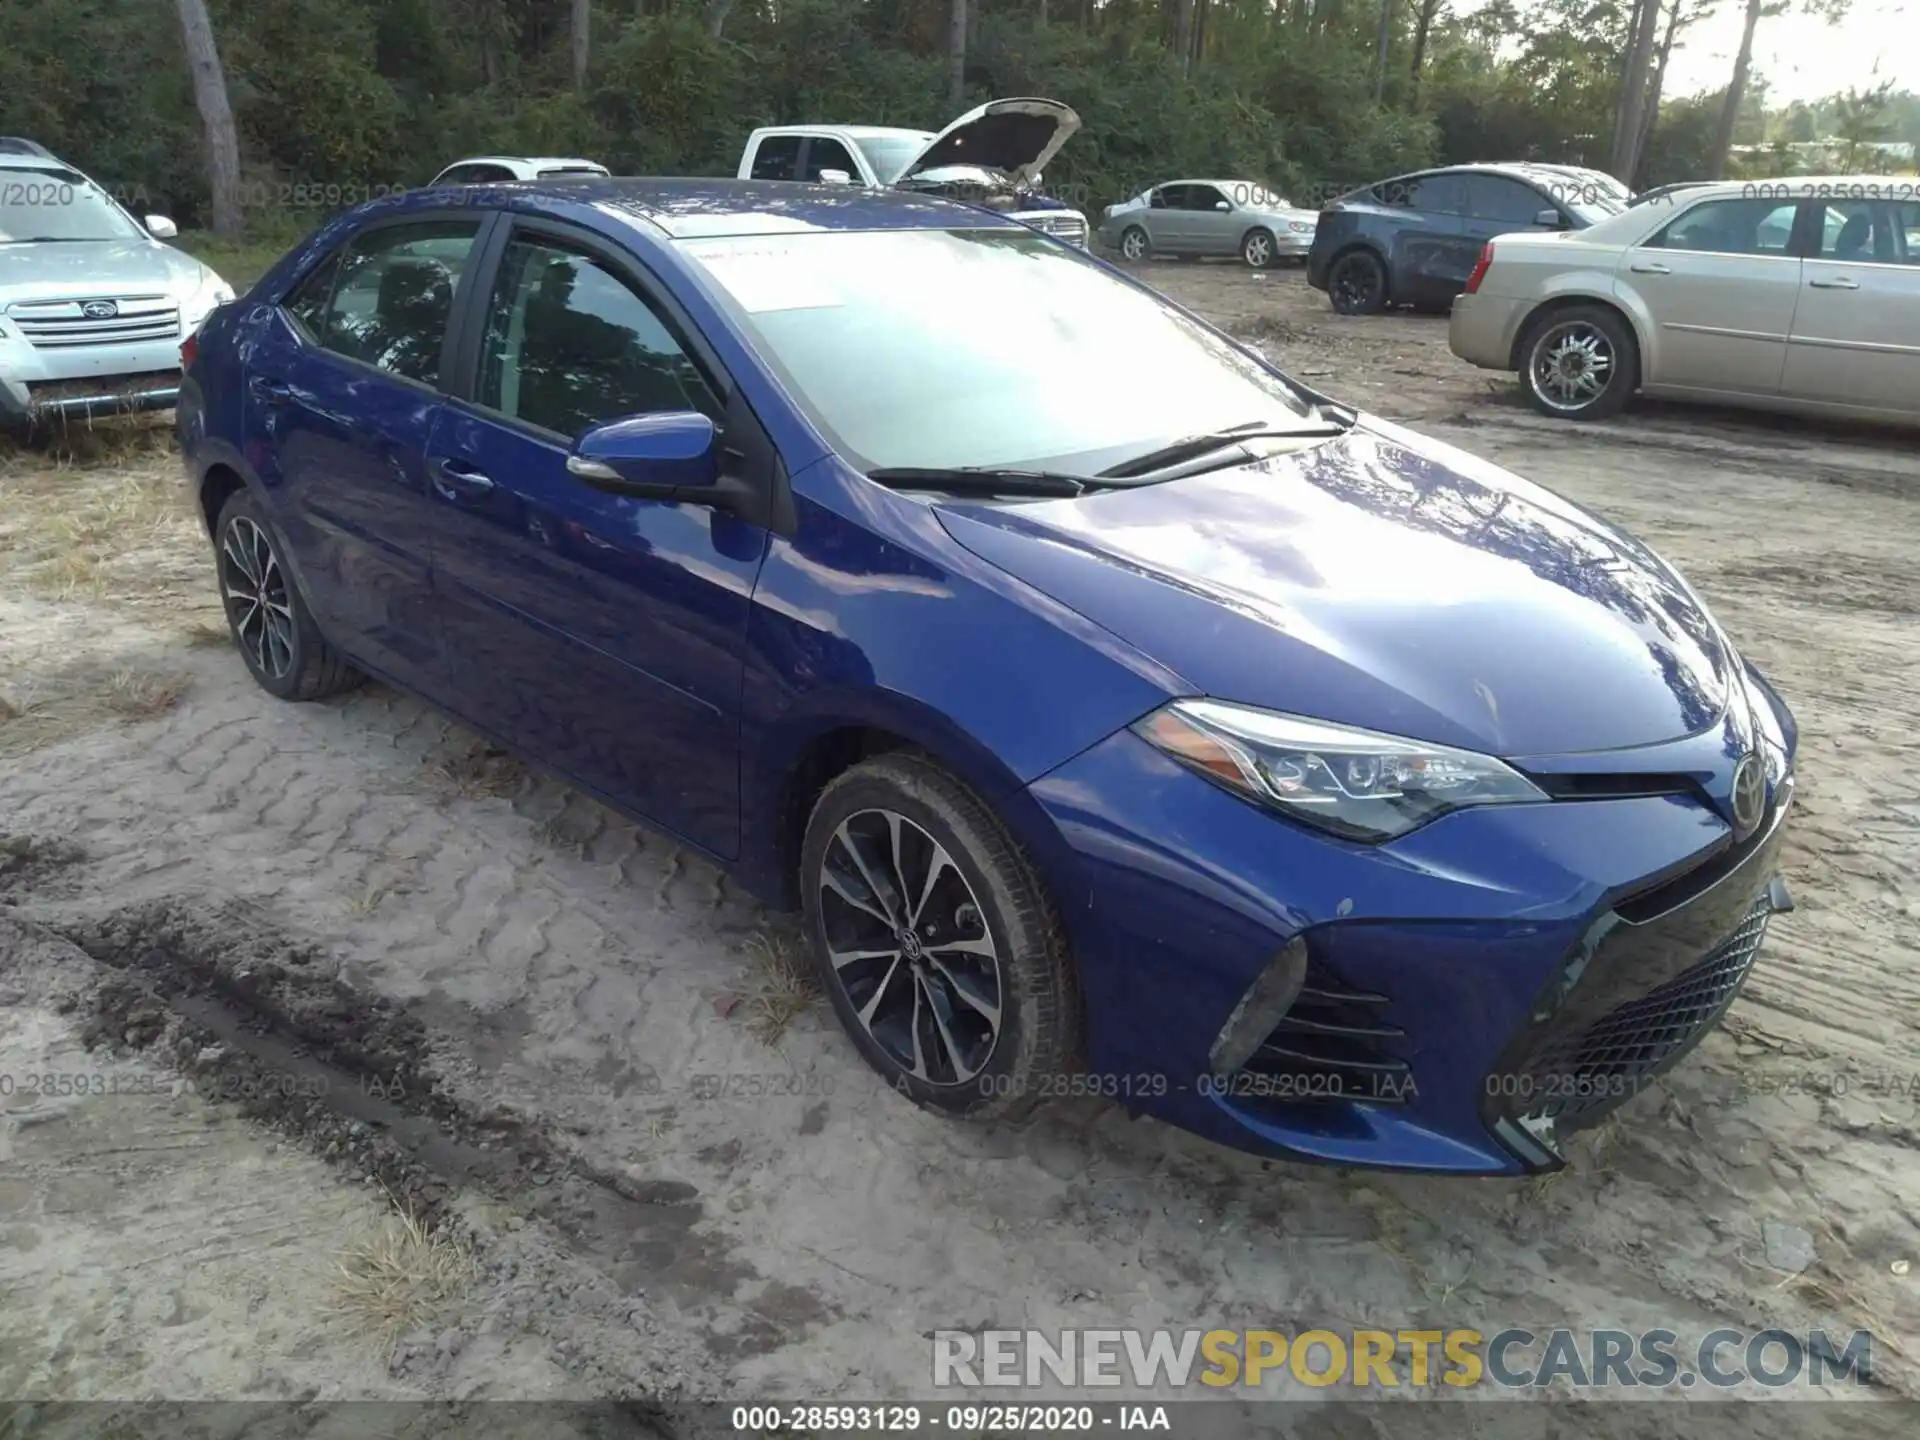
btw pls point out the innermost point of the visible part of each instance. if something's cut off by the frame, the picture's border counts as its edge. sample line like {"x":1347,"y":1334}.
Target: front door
{"x":602,"y":634}
{"x":342,"y":395}
{"x":1856,"y":331}
{"x":1719,"y":283}
{"x":1211,"y":222}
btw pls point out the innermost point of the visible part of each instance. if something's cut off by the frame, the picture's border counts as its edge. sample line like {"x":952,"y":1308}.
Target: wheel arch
{"x":1576,"y":300}
{"x":1363,"y":244}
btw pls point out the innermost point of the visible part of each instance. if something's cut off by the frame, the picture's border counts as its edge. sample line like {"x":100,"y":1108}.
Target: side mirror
{"x":161,"y":228}
{"x":670,"y":456}
{"x":835,"y":177}
{"x":1222,"y":205}
{"x":1550,"y":219}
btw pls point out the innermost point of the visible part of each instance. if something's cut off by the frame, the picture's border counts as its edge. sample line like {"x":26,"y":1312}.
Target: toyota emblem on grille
{"x":1749,"y":793}
{"x":100,"y":309}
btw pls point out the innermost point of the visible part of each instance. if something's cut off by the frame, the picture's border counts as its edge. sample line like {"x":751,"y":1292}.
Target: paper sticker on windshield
{"x":767,"y":278}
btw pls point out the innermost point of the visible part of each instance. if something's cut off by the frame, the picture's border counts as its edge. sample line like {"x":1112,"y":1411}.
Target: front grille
{"x":65,"y":324}
{"x":1071,"y":228}
{"x":1588,"y":1070}
{"x":1334,"y":1044}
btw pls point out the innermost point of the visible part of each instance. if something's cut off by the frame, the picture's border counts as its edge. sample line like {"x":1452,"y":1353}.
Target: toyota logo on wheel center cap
{"x":1749,"y":793}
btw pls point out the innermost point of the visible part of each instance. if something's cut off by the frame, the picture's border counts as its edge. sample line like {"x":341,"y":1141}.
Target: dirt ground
{"x":321,"y":967}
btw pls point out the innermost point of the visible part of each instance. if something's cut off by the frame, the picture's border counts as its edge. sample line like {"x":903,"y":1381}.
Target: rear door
{"x":343,"y":392}
{"x":1160,"y":219}
{"x":1719,"y":283}
{"x":1856,"y":329}
{"x":1430,"y":256}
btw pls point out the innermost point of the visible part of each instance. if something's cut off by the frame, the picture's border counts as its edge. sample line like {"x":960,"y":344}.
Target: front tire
{"x":1134,"y":245}
{"x":1357,"y":284}
{"x":1580,"y":363}
{"x":270,"y":623}
{"x":1257,"y":249}
{"x":936,"y":941}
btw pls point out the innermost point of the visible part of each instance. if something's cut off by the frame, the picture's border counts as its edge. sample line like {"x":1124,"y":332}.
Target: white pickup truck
{"x":992,"y":155}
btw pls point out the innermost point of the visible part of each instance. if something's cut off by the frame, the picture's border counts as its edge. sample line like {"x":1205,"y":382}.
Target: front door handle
{"x":1650,"y":267}
{"x":1839,"y":282}
{"x":458,"y":481}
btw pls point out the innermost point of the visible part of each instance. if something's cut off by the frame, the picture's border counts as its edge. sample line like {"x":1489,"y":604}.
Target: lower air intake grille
{"x":1334,"y":1044}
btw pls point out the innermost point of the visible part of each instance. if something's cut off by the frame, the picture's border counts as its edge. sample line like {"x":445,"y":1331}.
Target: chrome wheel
{"x":1572,"y":365}
{"x":1257,"y":250}
{"x":255,"y":590}
{"x":1133,"y":244}
{"x":908,"y":944}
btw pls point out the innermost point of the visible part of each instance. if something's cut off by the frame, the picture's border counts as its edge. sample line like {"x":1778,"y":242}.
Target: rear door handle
{"x":1650,"y":267}
{"x":456,"y":480}
{"x":1839,"y":282}
{"x":269,"y":391}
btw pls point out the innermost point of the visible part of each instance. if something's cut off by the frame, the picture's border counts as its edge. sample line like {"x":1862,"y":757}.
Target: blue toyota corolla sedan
{"x":1124,"y":718}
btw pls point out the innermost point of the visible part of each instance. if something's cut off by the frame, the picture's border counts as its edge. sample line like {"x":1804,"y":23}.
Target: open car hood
{"x":1017,"y":137}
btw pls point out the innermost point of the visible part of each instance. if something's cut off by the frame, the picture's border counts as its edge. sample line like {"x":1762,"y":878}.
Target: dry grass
{"x":480,"y":772}
{"x":781,"y":989}
{"x":50,"y":706}
{"x":403,"y":1277}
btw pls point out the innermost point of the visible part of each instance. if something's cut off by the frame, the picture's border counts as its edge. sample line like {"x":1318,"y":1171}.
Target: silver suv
{"x":93,"y":307}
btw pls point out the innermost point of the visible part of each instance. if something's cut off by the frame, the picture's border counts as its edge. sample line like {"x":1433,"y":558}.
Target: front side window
{"x":39,"y":205}
{"x":778,"y":158}
{"x":1204,"y":197}
{"x":1731,"y":227}
{"x":982,"y":347}
{"x":891,"y":154}
{"x":392,"y":300}
{"x":826,"y":153}
{"x":569,"y":345}
{"x":1504,"y":201}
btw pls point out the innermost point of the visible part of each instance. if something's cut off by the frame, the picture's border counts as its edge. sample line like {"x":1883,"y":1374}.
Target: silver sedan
{"x":1796,"y":294}
{"x":1209,"y":217}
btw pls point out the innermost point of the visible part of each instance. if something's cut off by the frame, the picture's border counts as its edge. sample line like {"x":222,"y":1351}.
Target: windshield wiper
{"x":983,"y":480}
{"x":1194,"y":446}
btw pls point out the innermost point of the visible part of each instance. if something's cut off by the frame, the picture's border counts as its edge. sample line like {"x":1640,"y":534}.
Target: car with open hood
{"x":1123,"y":717}
{"x":1209,"y":217}
{"x":994,"y":155}
{"x":93,"y":303}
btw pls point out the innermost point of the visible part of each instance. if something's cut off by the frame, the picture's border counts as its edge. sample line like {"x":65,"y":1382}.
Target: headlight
{"x":1299,"y":227}
{"x":212,"y":291}
{"x":1353,"y":783}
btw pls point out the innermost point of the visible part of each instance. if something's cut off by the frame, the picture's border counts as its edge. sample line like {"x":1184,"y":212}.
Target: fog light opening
{"x":1262,"y":1008}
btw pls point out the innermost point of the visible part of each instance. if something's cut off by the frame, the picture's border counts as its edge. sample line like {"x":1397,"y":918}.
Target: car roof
{"x":18,"y":160}
{"x":858,"y":132}
{"x":536,"y":160}
{"x":698,"y":206}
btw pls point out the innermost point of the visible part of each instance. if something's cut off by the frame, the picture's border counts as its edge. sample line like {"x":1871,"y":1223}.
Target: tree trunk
{"x":1183,"y":33}
{"x":1736,"y":92}
{"x":216,"y":117}
{"x":957,"y":56}
{"x":1423,"y":23}
{"x":582,"y":41}
{"x":1635,"y":62}
{"x":1650,"y":112}
{"x":1380,"y":55}
{"x":717,"y":12}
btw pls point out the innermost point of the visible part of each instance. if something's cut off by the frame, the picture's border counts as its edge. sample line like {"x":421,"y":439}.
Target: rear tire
{"x":1357,"y":283}
{"x":935,"y":940}
{"x":1579,"y":363}
{"x":271,"y":626}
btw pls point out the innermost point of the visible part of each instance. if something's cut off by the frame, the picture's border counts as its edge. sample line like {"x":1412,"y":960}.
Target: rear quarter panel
{"x":1539,"y":272}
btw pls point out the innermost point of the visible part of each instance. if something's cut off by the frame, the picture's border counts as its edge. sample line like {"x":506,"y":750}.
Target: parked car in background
{"x":93,"y":305}
{"x":1209,"y":217}
{"x":501,"y":169}
{"x":1583,"y":180}
{"x":1763,"y":293}
{"x":1663,"y":193}
{"x":993,"y":155}
{"x":1119,"y":714}
{"x":1413,"y":240}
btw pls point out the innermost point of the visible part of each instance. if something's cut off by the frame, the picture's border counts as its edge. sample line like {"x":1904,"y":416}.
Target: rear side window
{"x":826,"y":153}
{"x":1879,"y":232}
{"x":1442,"y":194}
{"x":778,"y":158}
{"x":1731,"y":227}
{"x":392,"y":299}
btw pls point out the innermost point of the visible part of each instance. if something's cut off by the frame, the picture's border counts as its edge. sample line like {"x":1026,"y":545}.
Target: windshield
{"x":890,"y":154}
{"x":42,"y":204}
{"x":945,"y":348}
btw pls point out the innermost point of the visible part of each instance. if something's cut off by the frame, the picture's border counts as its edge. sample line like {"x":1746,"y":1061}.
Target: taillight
{"x":1480,"y":267}
{"x":189,"y":351}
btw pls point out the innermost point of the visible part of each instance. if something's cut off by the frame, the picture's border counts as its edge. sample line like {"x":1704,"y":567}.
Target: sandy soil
{"x":344,"y":951}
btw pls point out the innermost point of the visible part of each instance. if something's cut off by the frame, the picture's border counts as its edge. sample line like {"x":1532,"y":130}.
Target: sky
{"x":1802,"y":58}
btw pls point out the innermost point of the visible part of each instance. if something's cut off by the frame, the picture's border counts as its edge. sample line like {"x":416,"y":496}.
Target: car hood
{"x":61,"y":269}
{"x":1382,"y":580}
{"x":1017,"y":136}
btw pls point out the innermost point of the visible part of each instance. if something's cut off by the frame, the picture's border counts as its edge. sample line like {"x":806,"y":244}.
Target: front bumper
{"x":1458,"y":979}
{"x":40,"y":382}
{"x":1482,"y":329}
